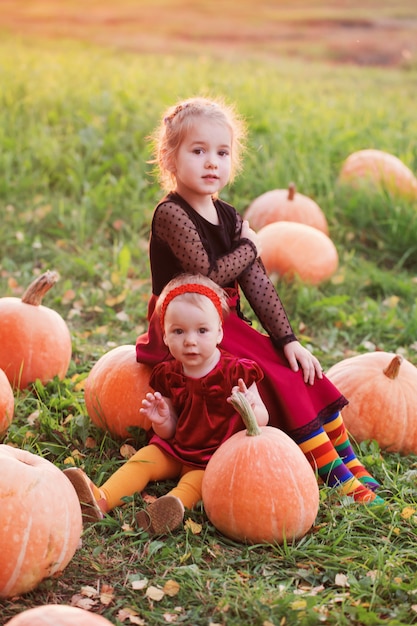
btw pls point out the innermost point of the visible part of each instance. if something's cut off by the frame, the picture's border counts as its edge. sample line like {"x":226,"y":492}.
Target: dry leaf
{"x":127,"y":451}
{"x":137,"y":585}
{"x":90,"y":443}
{"x":89,"y":591}
{"x":193,"y":526}
{"x":130,"y":615}
{"x":106,"y":594}
{"x":154,"y":593}
{"x":171,"y":588}
{"x":407,"y":512}
{"x":341,"y":580}
{"x":33,"y":417}
{"x":82,"y":602}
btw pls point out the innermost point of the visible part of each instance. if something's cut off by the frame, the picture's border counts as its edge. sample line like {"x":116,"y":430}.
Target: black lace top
{"x":184,"y":241}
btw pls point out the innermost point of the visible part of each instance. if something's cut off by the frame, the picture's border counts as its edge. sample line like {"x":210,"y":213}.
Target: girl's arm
{"x":172,"y":224}
{"x":160,"y":412}
{"x":255,"y":400}
{"x":266,"y":304}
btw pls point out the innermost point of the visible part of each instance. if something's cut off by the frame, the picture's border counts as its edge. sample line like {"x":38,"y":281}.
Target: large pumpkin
{"x":379,"y":170}
{"x":57,"y":615}
{"x":40,"y":521}
{"x":35,"y":342}
{"x":382,"y":391}
{"x":258,"y":486}
{"x":6,"y":403}
{"x":287,"y":205}
{"x":114,"y":390}
{"x":291,"y":249}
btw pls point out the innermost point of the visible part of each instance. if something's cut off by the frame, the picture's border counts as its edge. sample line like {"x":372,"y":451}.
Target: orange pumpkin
{"x":114,"y":390}
{"x":258,"y":486}
{"x":57,"y":615}
{"x":285,"y":205}
{"x":6,"y":403}
{"x":375,"y":169}
{"x":40,"y":521}
{"x":35,"y":342}
{"x":291,"y":249}
{"x":382,"y":391}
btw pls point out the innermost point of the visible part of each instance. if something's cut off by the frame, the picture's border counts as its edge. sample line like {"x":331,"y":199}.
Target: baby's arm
{"x":160,"y":412}
{"x":254,"y":399}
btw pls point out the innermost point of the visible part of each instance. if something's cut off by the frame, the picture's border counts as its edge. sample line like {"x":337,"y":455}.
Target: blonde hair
{"x":175,"y":124}
{"x":187,"y":280}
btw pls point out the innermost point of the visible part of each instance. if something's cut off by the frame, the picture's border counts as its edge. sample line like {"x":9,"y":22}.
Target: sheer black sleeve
{"x":172,"y":225}
{"x":266,"y":303}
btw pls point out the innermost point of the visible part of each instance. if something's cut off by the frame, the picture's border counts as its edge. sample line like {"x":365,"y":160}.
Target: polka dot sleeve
{"x":266,"y":303}
{"x":172,"y":225}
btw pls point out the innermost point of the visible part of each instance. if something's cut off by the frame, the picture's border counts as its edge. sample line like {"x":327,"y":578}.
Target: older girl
{"x":198,"y":151}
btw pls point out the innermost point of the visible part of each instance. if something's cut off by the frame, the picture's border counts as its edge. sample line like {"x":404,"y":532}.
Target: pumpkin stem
{"x":392,"y":370}
{"x":242,"y":406}
{"x":39,"y":287}
{"x":291,"y":191}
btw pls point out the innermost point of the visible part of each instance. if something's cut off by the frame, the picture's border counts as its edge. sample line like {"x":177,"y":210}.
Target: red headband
{"x":191,"y":288}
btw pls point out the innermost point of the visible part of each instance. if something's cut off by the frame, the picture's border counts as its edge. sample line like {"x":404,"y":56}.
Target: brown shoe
{"x":162,"y":516}
{"x":90,"y":507}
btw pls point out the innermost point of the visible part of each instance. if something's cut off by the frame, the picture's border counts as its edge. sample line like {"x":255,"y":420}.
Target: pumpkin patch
{"x":258,"y":486}
{"x":40,"y":521}
{"x":35,"y":342}
{"x":382,"y":391}
{"x":286,"y":205}
{"x":114,"y":390}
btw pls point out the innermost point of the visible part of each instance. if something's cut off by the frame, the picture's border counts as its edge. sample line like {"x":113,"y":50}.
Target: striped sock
{"x":337,"y":433}
{"x":324,"y":459}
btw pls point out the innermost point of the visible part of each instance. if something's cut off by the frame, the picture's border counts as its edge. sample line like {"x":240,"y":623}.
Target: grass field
{"x":77,"y":196}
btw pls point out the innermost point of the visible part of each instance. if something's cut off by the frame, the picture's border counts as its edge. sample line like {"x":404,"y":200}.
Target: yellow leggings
{"x":151,"y":464}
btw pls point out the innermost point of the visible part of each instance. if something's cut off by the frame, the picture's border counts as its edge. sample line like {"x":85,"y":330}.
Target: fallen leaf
{"x":127,"y":451}
{"x":154,"y":593}
{"x":137,"y":585}
{"x":82,"y":602}
{"x":193,"y":526}
{"x":341,"y":580}
{"x":171,"y":588}
{"x":407,"y":512}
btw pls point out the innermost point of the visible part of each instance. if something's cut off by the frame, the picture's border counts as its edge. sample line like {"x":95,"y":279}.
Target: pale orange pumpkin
{"x":378,"y":170}
{"x":291,"y":249}
{"x":40,"y":521}
{"x":114,"y":390}
{"x":6,"y":403}
{"x":35,"y":342}
{"x":57,"y":615}
{"x":286,"y":205}
{"x":382,"y":391}
{"x":258,"y":486}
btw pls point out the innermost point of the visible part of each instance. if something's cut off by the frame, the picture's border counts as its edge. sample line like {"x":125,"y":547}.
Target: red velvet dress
{"x":183,"y":241}
{"x":205,"y":419}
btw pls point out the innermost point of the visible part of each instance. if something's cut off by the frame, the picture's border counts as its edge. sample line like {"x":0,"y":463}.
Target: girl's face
{"x":192,"y":333}
{"x":202,"y":165}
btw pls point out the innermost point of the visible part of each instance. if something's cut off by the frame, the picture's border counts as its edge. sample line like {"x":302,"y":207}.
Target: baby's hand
{"x":155,"y":408}
{"x":248,"y":233}
{"x":243,"y":389}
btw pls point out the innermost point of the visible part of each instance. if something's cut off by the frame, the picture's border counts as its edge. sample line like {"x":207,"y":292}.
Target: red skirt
{"x":294,"y":406}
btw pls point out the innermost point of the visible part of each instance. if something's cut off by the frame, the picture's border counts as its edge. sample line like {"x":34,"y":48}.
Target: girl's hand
{"x":155,"y":408}
{"x":297,"y":356}
{"x":248,"y":233}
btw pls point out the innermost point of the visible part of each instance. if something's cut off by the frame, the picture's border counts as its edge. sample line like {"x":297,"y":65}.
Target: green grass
{"x":77,"y":196}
